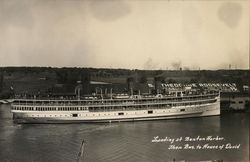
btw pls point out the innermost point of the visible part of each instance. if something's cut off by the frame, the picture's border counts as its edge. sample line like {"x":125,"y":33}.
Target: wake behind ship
{"x":116,"y":108}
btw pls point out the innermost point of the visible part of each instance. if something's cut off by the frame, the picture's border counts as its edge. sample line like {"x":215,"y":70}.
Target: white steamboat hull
{"x":113,"y":116}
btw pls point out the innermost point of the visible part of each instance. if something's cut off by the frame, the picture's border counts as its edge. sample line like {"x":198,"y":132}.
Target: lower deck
{"x":121,"y":115}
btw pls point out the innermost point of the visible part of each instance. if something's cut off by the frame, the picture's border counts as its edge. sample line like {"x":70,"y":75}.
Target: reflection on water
{"x":128,"y":141}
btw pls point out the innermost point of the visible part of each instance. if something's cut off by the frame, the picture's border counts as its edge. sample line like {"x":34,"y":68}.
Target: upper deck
{"x":114,"y":101}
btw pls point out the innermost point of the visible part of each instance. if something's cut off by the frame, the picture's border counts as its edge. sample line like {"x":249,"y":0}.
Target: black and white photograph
{"x":124,"y":80}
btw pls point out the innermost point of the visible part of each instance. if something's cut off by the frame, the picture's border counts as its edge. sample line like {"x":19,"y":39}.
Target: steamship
{"x":116,"y":108}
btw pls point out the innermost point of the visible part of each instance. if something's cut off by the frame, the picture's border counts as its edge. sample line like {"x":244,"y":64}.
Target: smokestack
{"x":85,"y":80}
{"x":158,"y":81}
{"x":130,"y":83}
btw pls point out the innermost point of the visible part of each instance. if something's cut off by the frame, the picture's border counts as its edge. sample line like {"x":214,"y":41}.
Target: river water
{"x":127,"y":141}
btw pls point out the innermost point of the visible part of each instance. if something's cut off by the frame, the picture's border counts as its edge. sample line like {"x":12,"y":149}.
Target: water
{"x":128,"y":141}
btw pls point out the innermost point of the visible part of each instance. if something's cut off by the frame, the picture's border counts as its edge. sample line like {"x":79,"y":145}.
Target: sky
{"x":131,"y":34}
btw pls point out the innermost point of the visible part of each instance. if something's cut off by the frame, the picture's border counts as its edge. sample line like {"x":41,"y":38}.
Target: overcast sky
{"x":142,"y":34}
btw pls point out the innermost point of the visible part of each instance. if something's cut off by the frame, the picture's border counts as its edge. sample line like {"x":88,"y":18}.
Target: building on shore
{"x":246,"y":88}
{"x":235,"y":101}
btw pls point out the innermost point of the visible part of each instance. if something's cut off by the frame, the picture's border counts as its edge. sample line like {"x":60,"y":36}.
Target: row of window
{"x":114,"y":114}
{"x":234,"y":102}
{"x":139,"y":107}
{"x":112,"y":108}
{"x":115,"y":101}
{"x":50,"y":108}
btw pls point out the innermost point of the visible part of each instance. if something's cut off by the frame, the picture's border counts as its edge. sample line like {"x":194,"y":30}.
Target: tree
{"x":143,"y":79}
{"x":171,"y":81}
{"x":193,"y":80}
{"x":159,"y":79}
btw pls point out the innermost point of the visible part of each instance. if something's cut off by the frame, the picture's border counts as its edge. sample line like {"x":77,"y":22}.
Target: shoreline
{"x":235,"y":111}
